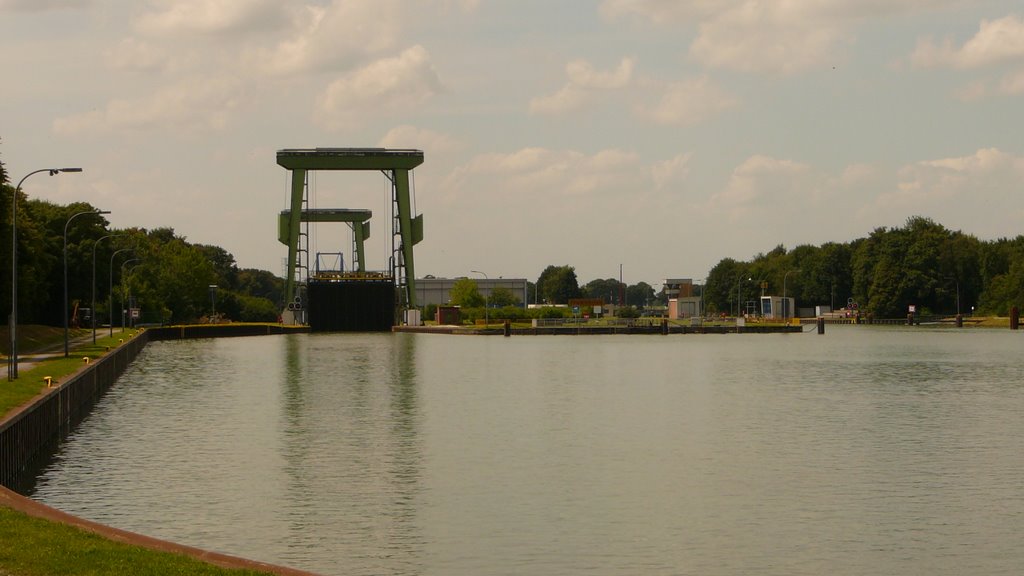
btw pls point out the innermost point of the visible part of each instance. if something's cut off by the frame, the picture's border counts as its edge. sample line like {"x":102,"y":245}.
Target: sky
{"x":655,"y":137}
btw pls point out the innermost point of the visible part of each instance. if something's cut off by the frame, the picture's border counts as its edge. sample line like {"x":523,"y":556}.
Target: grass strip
{"x":33,"y":546}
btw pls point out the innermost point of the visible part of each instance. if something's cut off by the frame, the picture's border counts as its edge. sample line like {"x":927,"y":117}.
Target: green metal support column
{"x":405,"y":224}
{"x":361,"y":230}
{"x":298,"y":190}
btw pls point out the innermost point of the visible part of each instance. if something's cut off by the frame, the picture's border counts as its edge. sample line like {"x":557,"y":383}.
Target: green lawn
{"x":37,"y":338}
{"x":35,"y":547}
{"x":32,"y":546}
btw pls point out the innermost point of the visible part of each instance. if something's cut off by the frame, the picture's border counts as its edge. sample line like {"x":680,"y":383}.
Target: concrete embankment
{"x":27,"y":430}
{"x":594,"y":330}
{"x":26,"y":433}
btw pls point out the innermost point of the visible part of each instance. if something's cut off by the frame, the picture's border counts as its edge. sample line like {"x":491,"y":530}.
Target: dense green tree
{"x":609,"y":290}
{"x":262,"y":284}
{"x":558,"y":284}
{"x":724,"y":284}
{"x":501,"y":297}
{"x":223,"y":265}
{"x":466,"y":294}
{"x":639,"y":294}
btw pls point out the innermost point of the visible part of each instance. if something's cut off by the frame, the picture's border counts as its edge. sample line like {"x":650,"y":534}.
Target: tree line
{"x":921,"y":264}
{"x":157,"y":271}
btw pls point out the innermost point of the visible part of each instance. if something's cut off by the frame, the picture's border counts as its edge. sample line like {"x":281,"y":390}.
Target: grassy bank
{"x":35,"y":547}
{"x":30,"y":380}
{"x":31,"y":546}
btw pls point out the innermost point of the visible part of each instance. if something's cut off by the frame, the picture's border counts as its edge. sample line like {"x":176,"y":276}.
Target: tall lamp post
{"x":785,"y":303}
{"x":66,"y":224}
{"x":93,"y":313}
{"x":110,"y":290}
{"x":125,"y":287}
{"x":486,"y":316}
{"x":12,"y":359}
{"x":738,"y":296}
{"x":213,"y":303}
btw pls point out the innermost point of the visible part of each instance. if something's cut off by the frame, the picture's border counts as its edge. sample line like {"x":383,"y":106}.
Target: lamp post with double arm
{"x":93,"y":312}
{"x":12,"y":358}
{"x":110,"y":290}
{"x":486,"y":316}
{"x":66,"y":224}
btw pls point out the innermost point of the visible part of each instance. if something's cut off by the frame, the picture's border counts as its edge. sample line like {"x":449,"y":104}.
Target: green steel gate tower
{"x":407,"y":229}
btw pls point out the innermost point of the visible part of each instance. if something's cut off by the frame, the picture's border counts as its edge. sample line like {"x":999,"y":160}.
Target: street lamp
{"x":486,"y":316}
{"x":785,"y":303}
{"x":125,"y":287}
{"x":213,"y":303}
{"x":12,"y":359}
{"x":110,"y":289}
{"x":93,"y":313}
{"x":66,"y":224}
{"x":738,"y":296}
{"x":700,"y":303}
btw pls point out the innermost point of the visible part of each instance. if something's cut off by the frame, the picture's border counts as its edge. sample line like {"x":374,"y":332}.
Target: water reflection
{"x":866,"y":451}
{"x":351,"y":440}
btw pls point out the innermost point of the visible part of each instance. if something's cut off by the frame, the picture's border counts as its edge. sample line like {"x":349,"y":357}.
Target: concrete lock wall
{"x":26,"y":431}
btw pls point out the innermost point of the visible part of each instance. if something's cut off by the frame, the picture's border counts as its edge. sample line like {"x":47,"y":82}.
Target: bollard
{"x":821,"y":325}
{"x":959,"y":320}
{"x":1014,"y":318}
{"x":910,"y":319}
{"x":871,"y":318}
{"x":664,"y":326}
{"x":508,"y":328}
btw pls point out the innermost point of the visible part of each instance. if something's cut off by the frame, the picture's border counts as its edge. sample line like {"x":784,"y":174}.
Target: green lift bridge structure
{"x":407,"y":228}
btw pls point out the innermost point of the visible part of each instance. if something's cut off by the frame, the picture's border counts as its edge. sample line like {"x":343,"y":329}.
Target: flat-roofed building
{"x":438,"y":291}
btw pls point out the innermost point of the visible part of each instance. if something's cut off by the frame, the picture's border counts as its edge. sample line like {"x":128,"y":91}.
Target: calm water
{"x":865,"y":451}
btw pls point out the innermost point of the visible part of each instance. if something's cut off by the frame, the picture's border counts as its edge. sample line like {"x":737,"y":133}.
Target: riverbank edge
{"x":571,"y":330}
{"x":52,"y":414}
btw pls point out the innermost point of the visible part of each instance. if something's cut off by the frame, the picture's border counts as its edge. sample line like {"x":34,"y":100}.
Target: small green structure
{"x":359,"y":220}
{"x":407,"y":228}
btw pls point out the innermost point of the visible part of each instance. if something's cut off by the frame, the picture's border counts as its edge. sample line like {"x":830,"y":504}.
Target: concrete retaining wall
{"x":54,"y":412}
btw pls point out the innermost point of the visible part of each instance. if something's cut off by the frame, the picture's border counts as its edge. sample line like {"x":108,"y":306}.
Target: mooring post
{"x":821,"y":325}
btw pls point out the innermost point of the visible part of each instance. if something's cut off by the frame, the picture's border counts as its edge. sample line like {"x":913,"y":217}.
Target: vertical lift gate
{"x":407,"y":228}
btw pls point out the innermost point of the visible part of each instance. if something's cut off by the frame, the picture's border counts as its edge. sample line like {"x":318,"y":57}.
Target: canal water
{"x":866,"y":451}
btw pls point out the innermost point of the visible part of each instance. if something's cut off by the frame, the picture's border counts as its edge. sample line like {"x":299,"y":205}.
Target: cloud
{"x":582,"y":81}
{"x":761,"y":185}
{"x":983,"y":186}
{"x":194,"y":105}
{"x":661,"y":12}
{"x":997,"y":41}
{"x":43,"y":5}
{"x":334,"y":37}
{"x":270,"y":37}
{"x":689,"y":102}
{"x":671,"y":171}
{"x":553,"y":176}
{"x":430,"y":142}
{"x":780,"y":38}
{"x":383,"y":86}
{"x":135,"y":54}
{"x":214,"y":17}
